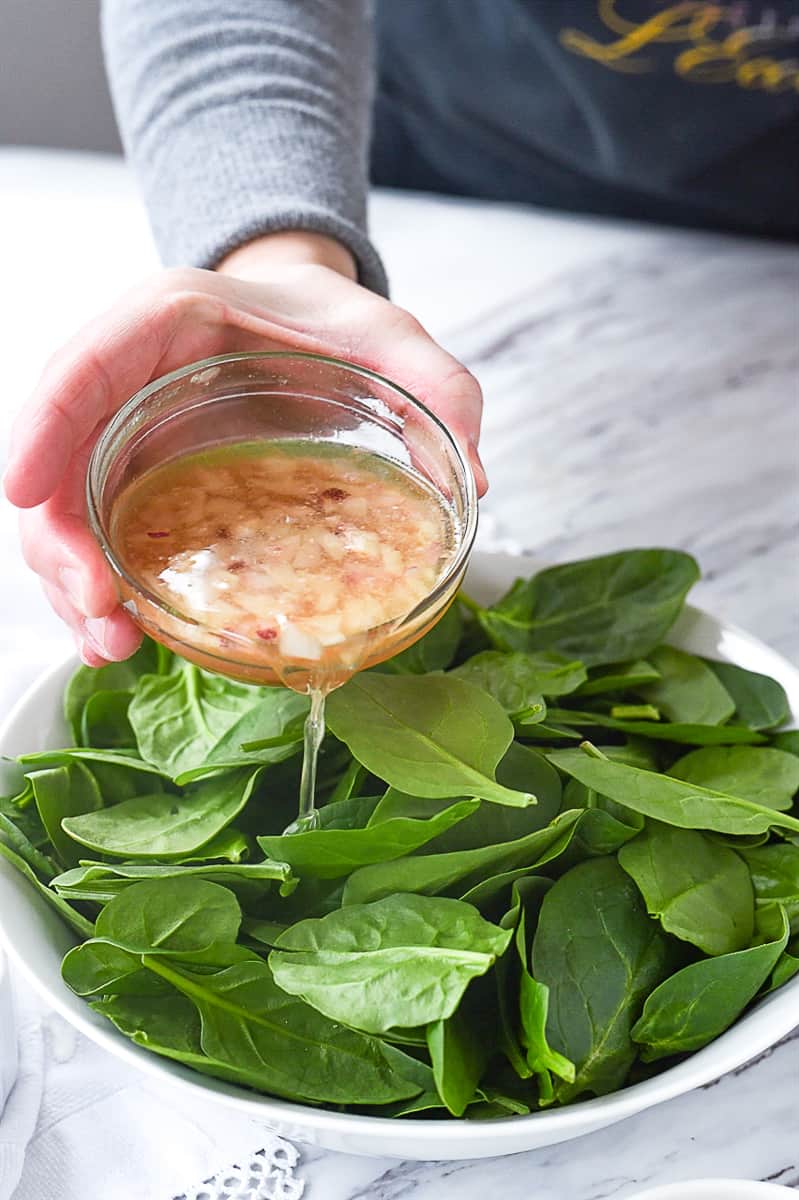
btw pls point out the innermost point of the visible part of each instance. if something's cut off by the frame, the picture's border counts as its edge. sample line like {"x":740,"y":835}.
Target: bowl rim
{"x":702,"y":1067}
{"x":97,"y":525}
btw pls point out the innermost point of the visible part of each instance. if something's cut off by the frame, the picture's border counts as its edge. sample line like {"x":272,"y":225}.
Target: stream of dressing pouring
{"x":313,"y":736}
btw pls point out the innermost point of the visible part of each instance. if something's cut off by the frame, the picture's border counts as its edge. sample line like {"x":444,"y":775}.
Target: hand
{"x":282,"y":291}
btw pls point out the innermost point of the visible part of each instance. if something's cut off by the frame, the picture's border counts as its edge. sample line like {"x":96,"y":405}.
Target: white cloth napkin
{"x":80,"y":1125}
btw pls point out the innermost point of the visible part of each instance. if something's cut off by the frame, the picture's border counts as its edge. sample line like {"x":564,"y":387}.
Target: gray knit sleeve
{"x":244,"y":117}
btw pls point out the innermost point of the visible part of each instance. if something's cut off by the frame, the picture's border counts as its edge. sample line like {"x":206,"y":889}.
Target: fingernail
{"x":71,"y":581}
{"x":96,"y":632}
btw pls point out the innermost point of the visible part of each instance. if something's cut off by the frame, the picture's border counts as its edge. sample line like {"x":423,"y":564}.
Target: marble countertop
{"x":641,"y":389}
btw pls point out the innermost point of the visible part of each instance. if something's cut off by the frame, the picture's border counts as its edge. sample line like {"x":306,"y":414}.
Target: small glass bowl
{"x":252,"y":397}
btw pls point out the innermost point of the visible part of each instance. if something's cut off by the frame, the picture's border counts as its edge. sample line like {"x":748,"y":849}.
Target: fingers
{"x":60,"y":549}
{"x":99,"y":641}
{"x":58,"y":546}
{"x":337,"y":317}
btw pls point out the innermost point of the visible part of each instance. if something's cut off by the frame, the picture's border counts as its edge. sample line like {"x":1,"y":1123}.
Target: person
{"x":255,"y":125}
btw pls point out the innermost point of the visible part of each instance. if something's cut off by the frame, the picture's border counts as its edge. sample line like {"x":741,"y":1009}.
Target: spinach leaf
{"x":433,"y":652}
{"x":230,"y":844}
{"x":355,"y":812}
{"x":180,"y":718}
{"x":349,"y":784}
{"x":274,"y":723}
{"x":115,"y":677}
{"x":521,"y":768}
{"x":600,"y":832}
{"x":757,"y":773}
{"x":696,"y":1004}
{"x":101,"y":882}
{"x":787,"y":741}
{"x":618,"y":677}
{"x":165,"y":825}
{"x":520,"y":681}
{"x":403,"y":960}
{"x":508,"y":971}
{"x":699,"y":890}
{"x":121,"y":759}
{"x":22,"y":826}
{"x":280,"y":1045}
{"x":688,"y":692}
{"x":98,"y":968}
{"x":760,"y":702}
{"x":170,"y":1025}
{"x":542,"y":1059}
{"x":333,"y":853}
{"x":490,"y":892}
{"x":524,"y":1039}
{"x":775,"y":877}
{"x":600,"y":610}
{"x":686,"y":805}
{"x":169,"y":916}
{"x":459,"y":1054}
{"x":167,"y":1024}
{"x":104,"y":722}
{"x":63,"y":792}
{"x":22,"y":846}
{"x":459,"y":870}
{"x":787,"y":966}
{"x":73,"y":918}
{"x":599,"y":955}
{"x":428,"y":735}
{"x":662,"y":731}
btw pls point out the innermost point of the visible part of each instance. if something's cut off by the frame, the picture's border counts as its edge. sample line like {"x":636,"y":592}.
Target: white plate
{"x":715,"y":1189}
{"x":36,"y":940}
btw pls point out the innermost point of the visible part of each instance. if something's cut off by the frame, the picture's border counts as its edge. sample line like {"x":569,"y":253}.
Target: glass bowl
{"x":257,"y":399}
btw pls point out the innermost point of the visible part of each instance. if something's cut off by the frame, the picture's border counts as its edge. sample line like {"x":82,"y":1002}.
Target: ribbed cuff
{"x":231,"y":173}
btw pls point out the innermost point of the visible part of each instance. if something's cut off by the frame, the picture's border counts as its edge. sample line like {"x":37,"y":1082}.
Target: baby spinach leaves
{"x":475,"y":927}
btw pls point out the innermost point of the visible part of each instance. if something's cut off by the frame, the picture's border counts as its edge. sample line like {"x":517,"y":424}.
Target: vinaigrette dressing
{"x":299,"y":558}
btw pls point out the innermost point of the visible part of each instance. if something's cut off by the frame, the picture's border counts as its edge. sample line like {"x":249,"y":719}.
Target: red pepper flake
{"x":157,"y":533}
{"x":266,"y":635}
{"x":334,"y":494}
{"x":236,"y":564}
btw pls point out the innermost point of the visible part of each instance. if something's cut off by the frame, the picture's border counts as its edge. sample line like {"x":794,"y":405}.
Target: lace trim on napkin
{"x":267,"y":1175}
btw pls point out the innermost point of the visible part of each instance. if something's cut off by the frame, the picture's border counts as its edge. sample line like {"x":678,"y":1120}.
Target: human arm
{"x":245,"y":117}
